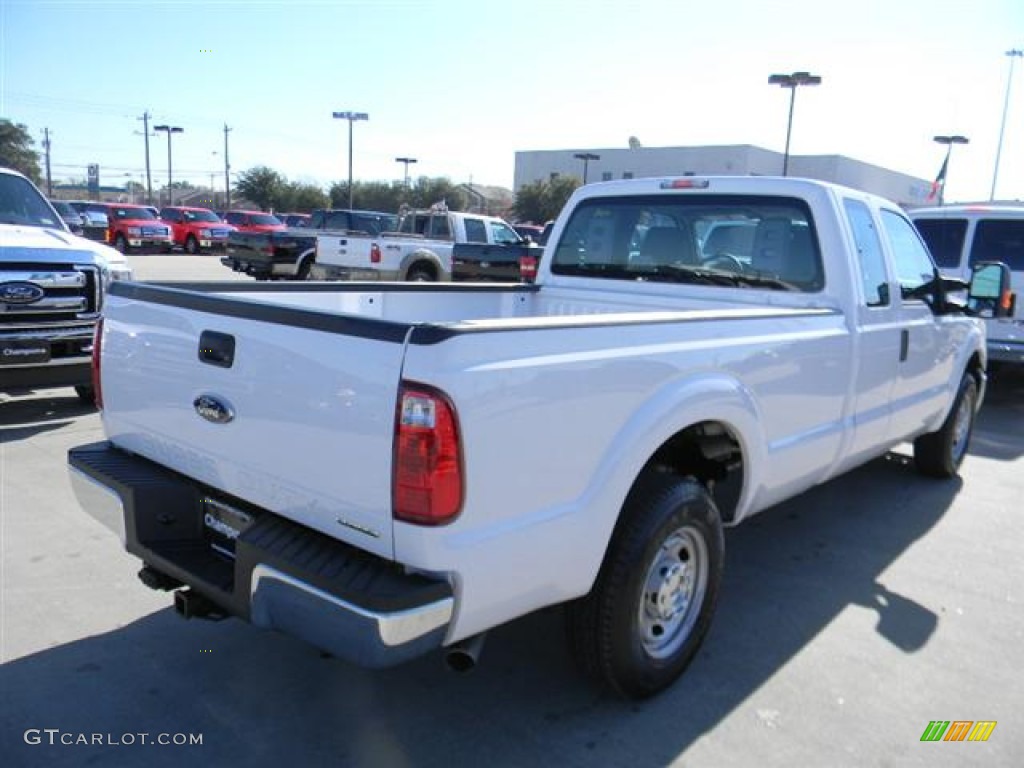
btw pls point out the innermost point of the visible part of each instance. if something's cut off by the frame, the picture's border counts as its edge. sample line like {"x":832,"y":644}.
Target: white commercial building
{"x":738,"y":160}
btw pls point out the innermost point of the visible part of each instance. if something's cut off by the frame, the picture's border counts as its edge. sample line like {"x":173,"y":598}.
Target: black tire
{"x":420,"y":274}
{"x":121,"y":244}
{"x":191,"y":245}
{"x":940,"y":453}
{"x":654,"y":597}
{"x":86,"y":394}
{"x":302,"y":273}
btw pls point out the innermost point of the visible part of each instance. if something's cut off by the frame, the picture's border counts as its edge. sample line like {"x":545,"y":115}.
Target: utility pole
{"x":227,"y":171}
{"x":170,"y":130}
{"x":46,"y":146}
{"x":149,"y":178}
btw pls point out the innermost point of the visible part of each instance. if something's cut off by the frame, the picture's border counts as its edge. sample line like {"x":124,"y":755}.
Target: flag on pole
{"x":940,"y":180}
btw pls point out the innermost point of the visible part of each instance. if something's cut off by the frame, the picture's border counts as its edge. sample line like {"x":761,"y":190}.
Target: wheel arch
{"x":423,"y":257}
{"x":708,"y":427}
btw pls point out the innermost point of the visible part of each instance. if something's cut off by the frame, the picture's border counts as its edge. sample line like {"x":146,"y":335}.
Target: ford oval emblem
{"x":213,"y":409}
{"x":20,"y":292}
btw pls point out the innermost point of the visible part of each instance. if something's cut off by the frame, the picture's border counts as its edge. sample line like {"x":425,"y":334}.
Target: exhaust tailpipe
{"x":463,"y":655}
{"x":192,"y":605}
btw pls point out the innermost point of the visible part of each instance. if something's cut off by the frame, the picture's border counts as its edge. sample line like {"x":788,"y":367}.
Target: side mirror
{"x":989,"y":293}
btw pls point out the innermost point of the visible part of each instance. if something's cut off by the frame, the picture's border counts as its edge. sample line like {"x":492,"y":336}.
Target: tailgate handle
{"x":217,"y":348}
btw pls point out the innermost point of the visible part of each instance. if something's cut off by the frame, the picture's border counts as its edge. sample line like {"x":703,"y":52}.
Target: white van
{"x":961,"y":235}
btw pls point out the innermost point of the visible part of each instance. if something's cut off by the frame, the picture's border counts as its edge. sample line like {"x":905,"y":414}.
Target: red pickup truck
{"x":254,"y":221}
{"x":196,"y":229}
{"x":135,"y":228}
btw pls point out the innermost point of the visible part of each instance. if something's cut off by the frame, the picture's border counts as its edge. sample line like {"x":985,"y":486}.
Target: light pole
{"x":940,"y":180}
{"x":586,"y":157}
{"x":169,"y":129}
{"x":406,"y":160}
{"x":351,"y":117}
{"x":792,"y":82}
{"x":1012,"y":54}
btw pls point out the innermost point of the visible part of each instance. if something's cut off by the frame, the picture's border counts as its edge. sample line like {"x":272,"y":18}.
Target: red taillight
{"x":427,"y":474}
{"x":528,"y":268}
{"x":374,"y":253}
{"x":97,"y":342}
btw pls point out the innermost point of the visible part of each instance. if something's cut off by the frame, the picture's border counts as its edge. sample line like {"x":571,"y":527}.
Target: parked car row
{"x":145,"y":228}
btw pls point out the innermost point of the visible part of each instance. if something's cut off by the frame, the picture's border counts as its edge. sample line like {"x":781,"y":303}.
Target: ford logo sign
{"x":20,"y":292}
{"x":213,"y":409}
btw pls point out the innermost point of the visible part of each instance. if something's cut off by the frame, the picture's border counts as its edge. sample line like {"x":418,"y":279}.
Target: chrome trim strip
{"x":99,"y":501}
{"x":392,"y":629}
{"x":48,"y":279}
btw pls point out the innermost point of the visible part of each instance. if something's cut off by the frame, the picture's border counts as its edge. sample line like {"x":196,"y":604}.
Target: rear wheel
{"x":654,"y":597}
{"x":420,"y":274}
{"x":941,"y":453}
{"x":191,"y":245}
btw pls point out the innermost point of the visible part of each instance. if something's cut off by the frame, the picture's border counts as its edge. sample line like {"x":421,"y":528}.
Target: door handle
{"x":904,"y":344}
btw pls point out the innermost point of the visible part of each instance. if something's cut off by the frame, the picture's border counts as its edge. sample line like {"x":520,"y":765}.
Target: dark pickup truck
{"x":288,"y":255}
{"x":492,"y":251}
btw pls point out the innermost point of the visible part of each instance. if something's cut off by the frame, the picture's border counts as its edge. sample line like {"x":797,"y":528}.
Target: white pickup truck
{"x":384,"y":470}
{"x":433,"y":245}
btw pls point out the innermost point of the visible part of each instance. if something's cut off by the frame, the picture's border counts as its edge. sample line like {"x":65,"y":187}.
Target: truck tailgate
{"x":288,"y":409}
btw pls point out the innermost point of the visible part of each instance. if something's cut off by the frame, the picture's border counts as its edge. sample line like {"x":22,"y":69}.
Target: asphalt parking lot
{"x":849,"y":619}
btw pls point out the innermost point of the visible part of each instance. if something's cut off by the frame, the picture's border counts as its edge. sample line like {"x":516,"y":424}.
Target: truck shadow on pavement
{"x":998,"y":432}
{"x":259,"y":698}
{"x":22,"y":417}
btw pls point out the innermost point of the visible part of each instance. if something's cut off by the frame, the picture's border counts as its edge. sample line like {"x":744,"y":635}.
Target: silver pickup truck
{"x":52,"y":286}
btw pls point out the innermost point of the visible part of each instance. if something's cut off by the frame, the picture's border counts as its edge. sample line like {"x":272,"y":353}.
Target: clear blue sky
{"x":461,"y":85}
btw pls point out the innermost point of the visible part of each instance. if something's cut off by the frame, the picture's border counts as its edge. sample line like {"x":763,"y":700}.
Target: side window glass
{"x":945,"y":239}
{"x":870,"y":258}
{"x":439,"y":227}
{"x":503,"y":234}
{"x":999,"y":240}
{"x":911,"y":259}
{"x":337,"y":220}
{"x":476,"y":232}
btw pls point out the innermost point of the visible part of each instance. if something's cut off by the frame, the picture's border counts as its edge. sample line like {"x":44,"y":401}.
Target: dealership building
{"x":739,"y":160}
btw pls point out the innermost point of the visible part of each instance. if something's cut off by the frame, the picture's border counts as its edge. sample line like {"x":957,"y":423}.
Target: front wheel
{"x":191,"y":245}
{"x":121,"y":244}
{"x":941,"y":453}
{"x":654,"y":597}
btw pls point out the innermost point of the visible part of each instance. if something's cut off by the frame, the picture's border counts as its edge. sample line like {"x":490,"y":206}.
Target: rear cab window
{"x":678,"y":238}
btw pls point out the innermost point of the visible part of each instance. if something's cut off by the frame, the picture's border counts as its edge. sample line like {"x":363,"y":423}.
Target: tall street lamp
{"x":792,"y":82}
{"x":351,"y":117}
{"x":1012,"y":54}
{"x":940,"y":180}
{"x":586,"y":157}
{"x":169,"y":129}
{"x":406,"y":161}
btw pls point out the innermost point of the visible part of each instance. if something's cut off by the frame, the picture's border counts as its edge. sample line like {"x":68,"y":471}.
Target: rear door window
{"x":945,"y":239}
{"x":999,"y":240}
{"x":476,"y":232}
